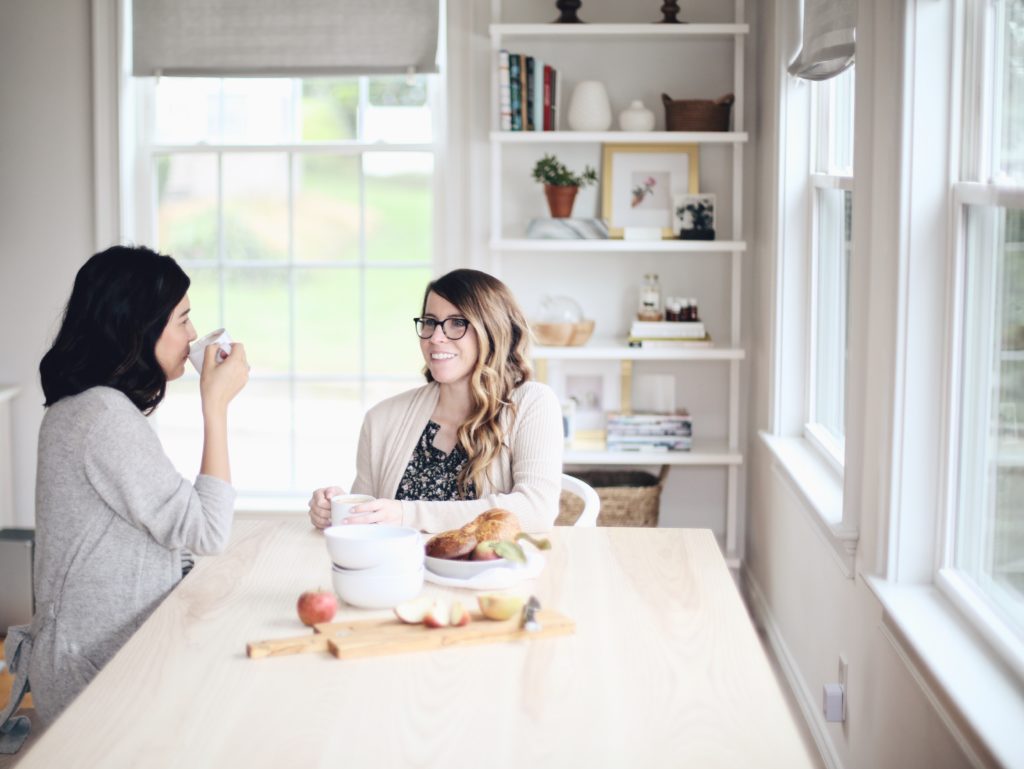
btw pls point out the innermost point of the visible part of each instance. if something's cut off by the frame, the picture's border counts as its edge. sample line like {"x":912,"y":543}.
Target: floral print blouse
{"x":432,"y":475}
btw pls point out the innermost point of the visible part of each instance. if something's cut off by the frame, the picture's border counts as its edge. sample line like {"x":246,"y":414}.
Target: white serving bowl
{"x":367,"y":545}
{"x":445,"y":567}
{"x":376,"y":591}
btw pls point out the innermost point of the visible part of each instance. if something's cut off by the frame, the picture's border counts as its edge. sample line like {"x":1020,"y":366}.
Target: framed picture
{"x":640,"y":181}
{"x":593,"y":387}
{"x":694,"y":216}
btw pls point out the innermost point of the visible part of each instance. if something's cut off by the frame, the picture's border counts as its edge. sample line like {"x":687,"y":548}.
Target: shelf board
{"x":617,"y":244}
{"x":620,"y":31}
{"x":619,"y":350}
{"x":706,"y":453}
{"x":617,"y":137}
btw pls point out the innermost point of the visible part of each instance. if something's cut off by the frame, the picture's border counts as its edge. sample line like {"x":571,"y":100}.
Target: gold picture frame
{"x":638,"y":182}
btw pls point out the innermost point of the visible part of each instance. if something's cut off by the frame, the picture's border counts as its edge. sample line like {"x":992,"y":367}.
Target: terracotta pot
{"x":560,"y":200}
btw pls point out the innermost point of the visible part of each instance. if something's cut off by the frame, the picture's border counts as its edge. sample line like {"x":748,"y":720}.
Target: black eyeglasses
{"x":453,"y":328}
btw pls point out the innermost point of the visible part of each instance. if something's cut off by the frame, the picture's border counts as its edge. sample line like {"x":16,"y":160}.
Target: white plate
{"x":499,"y":574}
{"x":446,"y":567}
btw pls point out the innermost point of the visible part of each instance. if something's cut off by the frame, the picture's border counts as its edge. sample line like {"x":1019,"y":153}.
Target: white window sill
{"x":816,"y":482}
{"x":975,"y":694}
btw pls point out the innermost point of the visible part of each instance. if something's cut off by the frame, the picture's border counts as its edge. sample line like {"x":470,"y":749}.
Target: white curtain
{"x":283,"y":37}
{"x":829,"y":34}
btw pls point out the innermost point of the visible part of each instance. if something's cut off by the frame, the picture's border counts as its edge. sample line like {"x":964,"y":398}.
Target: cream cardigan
{"x":526,"y":477}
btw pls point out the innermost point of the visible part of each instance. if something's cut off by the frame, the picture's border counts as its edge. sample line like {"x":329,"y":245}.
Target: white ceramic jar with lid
{"x":636,"y":117}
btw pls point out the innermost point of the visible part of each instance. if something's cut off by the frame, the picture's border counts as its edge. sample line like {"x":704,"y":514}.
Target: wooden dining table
{"x":664,"y":669}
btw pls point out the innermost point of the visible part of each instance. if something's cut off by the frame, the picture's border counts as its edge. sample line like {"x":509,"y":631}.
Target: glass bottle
{"x":650,"y":298}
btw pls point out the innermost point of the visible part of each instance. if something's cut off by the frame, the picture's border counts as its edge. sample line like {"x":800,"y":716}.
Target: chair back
{"x":591,"y":502}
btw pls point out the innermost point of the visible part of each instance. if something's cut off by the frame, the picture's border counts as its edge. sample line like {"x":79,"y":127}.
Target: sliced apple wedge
{"x":500,"y":606}
{"x":413,"y":612}
{"x":437,"y":615}
{"x":459,"y":616}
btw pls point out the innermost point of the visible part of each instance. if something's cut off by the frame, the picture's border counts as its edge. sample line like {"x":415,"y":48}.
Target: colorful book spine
{"x":528,"y":91}
{"x":556,"y":95}
{"x":538,"y":95}
{"x":504,"y":92}
{"x":549,"y":124}
{"x":515,"y":91}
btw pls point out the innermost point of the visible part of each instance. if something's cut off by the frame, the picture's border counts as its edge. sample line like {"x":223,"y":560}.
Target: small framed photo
{"x":694,"y":216}
{"x":593,"y":387}
{"x":640,"y":182}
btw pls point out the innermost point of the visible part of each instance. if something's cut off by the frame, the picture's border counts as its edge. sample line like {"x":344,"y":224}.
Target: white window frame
{"x":120,"y":169}
{"x":804,"y":455}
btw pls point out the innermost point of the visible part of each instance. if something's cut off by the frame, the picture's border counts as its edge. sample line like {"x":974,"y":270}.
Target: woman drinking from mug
{"x":114,"y":519}
{"x":478,"y":435}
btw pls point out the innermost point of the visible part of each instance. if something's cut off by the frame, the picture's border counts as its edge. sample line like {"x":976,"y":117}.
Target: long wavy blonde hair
{"x":501,"y":365}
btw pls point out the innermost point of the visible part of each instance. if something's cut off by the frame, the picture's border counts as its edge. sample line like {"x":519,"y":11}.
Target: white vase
{"x":589,"y":109}
{"x":636,"y":117}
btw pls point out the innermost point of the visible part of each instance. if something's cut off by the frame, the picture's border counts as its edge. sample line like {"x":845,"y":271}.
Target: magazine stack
{"x":650,"y":432}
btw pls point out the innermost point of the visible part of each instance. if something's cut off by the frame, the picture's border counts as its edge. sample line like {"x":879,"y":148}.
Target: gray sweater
{"x":112,"y":517}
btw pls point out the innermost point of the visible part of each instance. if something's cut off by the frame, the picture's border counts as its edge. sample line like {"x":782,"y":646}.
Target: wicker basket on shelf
{"x":628,"y":497}
{"x":697,"y":114}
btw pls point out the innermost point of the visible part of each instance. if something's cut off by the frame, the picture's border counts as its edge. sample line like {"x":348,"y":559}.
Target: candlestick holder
{"x":568,"y":9}
{"x":669,"y":11}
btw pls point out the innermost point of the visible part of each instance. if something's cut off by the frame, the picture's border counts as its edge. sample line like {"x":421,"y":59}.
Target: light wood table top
{"x":664,"y":669}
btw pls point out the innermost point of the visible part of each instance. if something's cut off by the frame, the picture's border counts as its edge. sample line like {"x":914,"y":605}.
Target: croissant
{"x":460,"y":543}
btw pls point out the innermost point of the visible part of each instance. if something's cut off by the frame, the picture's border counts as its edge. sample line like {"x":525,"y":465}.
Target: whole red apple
{"x":316,"y":606}
{"x":485,"y":551}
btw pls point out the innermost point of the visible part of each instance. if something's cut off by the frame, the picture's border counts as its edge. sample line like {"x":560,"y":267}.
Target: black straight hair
{"x":119,"y":306}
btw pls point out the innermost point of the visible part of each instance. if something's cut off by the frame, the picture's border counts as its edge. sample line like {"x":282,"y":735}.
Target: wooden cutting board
{"x":388,"y":635}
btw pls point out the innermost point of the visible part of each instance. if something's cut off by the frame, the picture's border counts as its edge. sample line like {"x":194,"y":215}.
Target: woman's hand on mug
{"x":320,"y":506}
{"x":387,"y":511}
{"x":221,"y":381}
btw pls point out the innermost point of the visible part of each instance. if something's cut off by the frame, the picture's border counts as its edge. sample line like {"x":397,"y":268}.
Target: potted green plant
{"x":561,"y":184}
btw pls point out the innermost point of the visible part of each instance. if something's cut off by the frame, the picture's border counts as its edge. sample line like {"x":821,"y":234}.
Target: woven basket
{"x":628,"y":498}
{"x":697,"y":114}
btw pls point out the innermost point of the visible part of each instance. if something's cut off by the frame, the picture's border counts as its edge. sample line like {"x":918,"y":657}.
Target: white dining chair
{"x":591,"y":502}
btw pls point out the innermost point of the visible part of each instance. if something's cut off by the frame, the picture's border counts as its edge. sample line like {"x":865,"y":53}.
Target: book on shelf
{"x":528,"y":89}
{"x":648,"y":343}
{"x":548,"y":92}
{"x":504,"y":92}
{"x":679,"y":444}
{"x":538,"y":94}
{"x":515,"y":64}
{"x":667,"y":329}
{"x":556,"y":95}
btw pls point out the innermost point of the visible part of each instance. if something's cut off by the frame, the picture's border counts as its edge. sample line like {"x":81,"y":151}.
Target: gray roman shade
{"x":283,"y":37}
{"x":829,"y":34}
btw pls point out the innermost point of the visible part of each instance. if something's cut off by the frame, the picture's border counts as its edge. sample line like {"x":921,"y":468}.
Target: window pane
{"x":327,"y":208}
{"x":256,"y":313}
{"x":204,"y":298}
{"x":257,"y":110}
{"x":261,"y":437}
{"x":398,"y":111}
{"x":256,"y":206}
{"x":328,"y":417}
{"x":187,"y":110}
{"x":186,"y":200}
{"x":834,"y":128}
{"x":1011,"y":160}
{"x":832,"y":269}
{"x":399,"y":206}
{"x":328,"y":334}
{"x":329,"y":109}
{"x":393,"y":299}
{"x":990,"y":524}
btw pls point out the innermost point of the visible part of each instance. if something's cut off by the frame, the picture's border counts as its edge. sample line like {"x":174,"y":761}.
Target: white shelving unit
{"x":725,"y":452}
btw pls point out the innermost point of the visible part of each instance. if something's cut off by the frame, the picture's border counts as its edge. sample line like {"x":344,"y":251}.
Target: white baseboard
{"x":810,"y":705}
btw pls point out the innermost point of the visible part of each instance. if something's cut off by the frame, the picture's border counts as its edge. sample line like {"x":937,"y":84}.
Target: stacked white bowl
{"x":374,"y":566}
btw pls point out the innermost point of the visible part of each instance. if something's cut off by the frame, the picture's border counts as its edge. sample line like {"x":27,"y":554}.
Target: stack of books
{"x":668,"y":333}
{"x":649,"y":432}
{"x":528,"y":92}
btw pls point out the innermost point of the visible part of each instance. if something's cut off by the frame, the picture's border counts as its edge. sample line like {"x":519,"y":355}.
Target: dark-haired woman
{"x":478,"y":435}
{"x":113,"y":516}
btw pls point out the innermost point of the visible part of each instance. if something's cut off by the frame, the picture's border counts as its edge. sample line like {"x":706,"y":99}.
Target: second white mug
{"x":342,"y":504}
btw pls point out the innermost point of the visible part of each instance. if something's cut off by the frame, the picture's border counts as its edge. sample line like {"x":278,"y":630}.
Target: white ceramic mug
{"x":198,"y":348}
{"x":342,"y":504}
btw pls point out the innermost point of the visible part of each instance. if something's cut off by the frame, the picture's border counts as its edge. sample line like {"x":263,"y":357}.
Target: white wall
{"x":46,"y":201}
{"x":813,"y":612}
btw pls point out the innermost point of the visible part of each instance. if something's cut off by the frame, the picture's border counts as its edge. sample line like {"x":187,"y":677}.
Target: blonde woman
{"x":478,"y":435}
